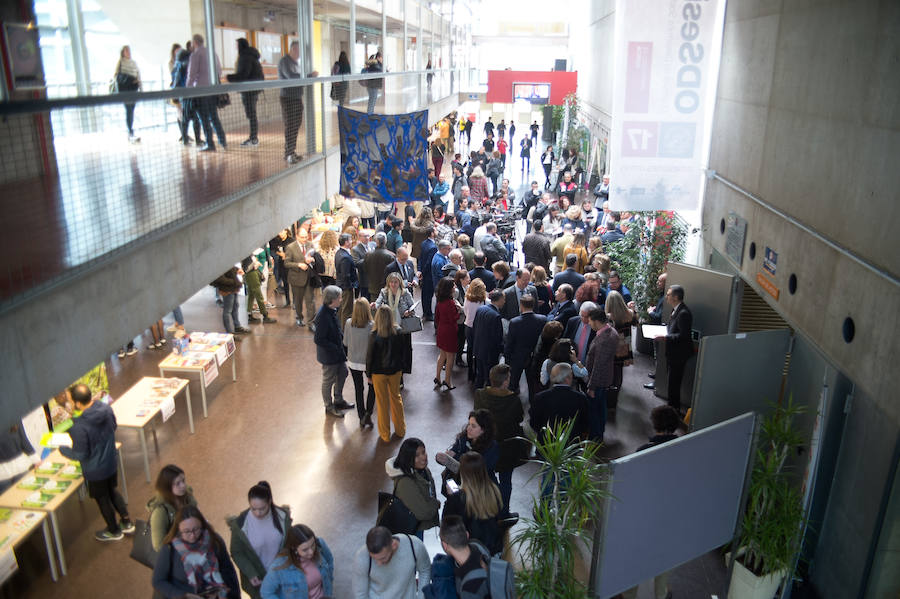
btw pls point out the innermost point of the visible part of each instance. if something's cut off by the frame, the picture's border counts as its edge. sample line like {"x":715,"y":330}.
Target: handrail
{"x":46,"y":105}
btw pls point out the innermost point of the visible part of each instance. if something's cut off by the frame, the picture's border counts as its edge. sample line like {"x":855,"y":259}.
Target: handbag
{"x":223,"y":100}
{"x":142,"y":550}
{"x":410,"y":324}
{"x":393,"y":514}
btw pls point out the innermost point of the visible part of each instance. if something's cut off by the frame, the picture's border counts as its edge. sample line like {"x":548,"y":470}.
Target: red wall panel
{"x":500,"y":84}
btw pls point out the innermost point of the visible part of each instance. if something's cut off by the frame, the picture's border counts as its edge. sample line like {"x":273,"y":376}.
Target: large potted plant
{"x":548,"y":545}
{"x":770,"y":533}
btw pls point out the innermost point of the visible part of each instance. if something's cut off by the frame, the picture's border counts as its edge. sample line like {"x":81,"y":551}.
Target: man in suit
{"x":560,"y":403}
{"x":524,"y":332}
{"x":491,"y":245}
{"x":427,"y":251}
{"x":439,"y":260}
{"x":536,"y":247}
{"x":345,"y":277}
{"x":679,"y":344}
{"x":404,"y":268}
{"x":298,"y":260}
{"x":565,"y":307}
{"x":480,"y":272}
{"x":579,"y":330}
{"x":569,"y":275}
{"x":487,"y":336}
{"x":514,"y":295}
{"x":359,"y":252}
{"x":375,"y":264}
{"x":600,"y":360}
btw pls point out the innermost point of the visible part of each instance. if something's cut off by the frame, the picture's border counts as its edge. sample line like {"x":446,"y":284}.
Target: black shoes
{"x":343,"y":405}
{"x":241,"y":330}
{"x":333,"y":411}
{"x":250,"y":142}
{"x":269,"y":320}
{"x":649,"y":385}
{"x":253,"y":318}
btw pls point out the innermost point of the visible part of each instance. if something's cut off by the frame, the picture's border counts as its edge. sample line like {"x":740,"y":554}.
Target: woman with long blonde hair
{"x":476,"y":295}
{"x":478,"y":502}
{"x":622,"y":318}
{"x":356,"y":337}
{"x":384,"y":368}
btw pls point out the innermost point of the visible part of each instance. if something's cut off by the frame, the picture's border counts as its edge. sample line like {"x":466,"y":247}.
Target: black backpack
{"x":318,"y":269}
{"x":540,"y":211}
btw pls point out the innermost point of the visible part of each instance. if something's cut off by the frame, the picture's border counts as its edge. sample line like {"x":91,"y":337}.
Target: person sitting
{"x":413,"y":483}
{"x":478,"y":502}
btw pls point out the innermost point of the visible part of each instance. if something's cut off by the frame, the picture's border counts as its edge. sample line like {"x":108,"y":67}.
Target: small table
{"x":19,"y":526}
{"x":204,"y":355}
{"x":14,"y":496}
{"x":138,"y":407}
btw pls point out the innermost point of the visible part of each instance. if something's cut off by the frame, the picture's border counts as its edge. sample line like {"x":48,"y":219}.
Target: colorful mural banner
{"x":383,"y":156}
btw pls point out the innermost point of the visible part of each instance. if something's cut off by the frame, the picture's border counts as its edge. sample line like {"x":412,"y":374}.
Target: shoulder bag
{"x":393,"y":514}
{"x":142,"y":551}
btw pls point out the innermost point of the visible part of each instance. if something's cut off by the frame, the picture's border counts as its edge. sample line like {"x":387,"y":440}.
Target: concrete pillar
{"x":79,"y":50}
{"x":405,"y":36}
{"x":419,"y":64}
{"x":352,"y":47}
{"x":383,"y":30}
{"x":209,"y":17}
{"x":304,"y":31}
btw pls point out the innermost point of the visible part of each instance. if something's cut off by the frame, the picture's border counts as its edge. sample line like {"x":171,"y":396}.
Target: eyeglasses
{"x":191,"y":531}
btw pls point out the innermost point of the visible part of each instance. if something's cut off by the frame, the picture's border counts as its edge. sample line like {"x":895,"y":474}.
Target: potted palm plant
{"x":770,"y":533}
{"x":548,"y":545}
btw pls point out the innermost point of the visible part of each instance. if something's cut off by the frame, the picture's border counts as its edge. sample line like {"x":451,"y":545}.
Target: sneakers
{"x":172,"y":328}
{"x":208,"y":148}
{"x":241,"y":330}
{"x":343,"y":405}
{"x":333,"y":411}
{"x":250,"y":142}
{"x":104,"y":535}
{"x":131,"y":351}
{"x":269,"y":320}
{"x":134,"y":139}
{"x":293,"y":158}
{"x":270,"y":306}
{"x":253,"y":318}
{"x":312,"y":327}
{"x":121,"y":353}
{"x":127,"y":526}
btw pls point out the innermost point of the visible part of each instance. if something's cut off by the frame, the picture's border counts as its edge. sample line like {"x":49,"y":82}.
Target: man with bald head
{"x":404,"y":268}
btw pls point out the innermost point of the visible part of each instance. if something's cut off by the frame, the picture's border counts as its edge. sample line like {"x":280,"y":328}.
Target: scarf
{"x":393,"y":302}
{"x":201,"y":565}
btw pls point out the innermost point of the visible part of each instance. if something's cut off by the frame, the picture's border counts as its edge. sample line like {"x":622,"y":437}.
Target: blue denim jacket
{"x":286,"y":581}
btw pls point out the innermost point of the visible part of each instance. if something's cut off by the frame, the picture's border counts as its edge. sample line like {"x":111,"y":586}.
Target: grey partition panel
{"x":709,"y":295}
{"x":737,"y":374}
{"x":642,"y":534}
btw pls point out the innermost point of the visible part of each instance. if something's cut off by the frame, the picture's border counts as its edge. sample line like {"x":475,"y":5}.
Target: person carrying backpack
{"x":477,"y":574}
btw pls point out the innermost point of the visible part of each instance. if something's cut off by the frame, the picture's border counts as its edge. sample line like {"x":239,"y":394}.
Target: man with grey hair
{"x":560,"y":403}
{"x":375,"y":264}
{"x":439,"y":260}
{"x":359,"y":252}
{"x":578,"y":329}
{"x":404,"y":268}
{"x":199,"y":74}
{"x":330,"y":352}
{"x":491,"y":245}
{"x":345,"y":276}
{"x":454,"y":263}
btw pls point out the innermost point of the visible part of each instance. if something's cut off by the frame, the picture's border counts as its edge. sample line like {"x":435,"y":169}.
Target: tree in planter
{"x":572,"y":494}
{"x":770,"y":531}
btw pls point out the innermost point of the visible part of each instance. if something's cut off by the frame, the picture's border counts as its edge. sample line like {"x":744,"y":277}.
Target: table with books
{"x":45,"y":489}
{"x":138,"y":407}
{"x":16,"y":525}
{"x":202,"y":356}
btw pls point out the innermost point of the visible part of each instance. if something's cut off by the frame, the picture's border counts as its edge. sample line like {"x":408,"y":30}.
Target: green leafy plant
{"x":548,"y":546}
{"x":771,"y":528}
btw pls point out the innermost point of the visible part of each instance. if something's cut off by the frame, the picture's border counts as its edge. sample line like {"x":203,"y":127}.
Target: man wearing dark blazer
{"x":359,"y":252}
{"x":569,"y":275}
{"x":521,"y":339}
{"x":403,"y":267}
{"x":560,"y":403}
{"x":565,"y":307}
{"x":375,"y":264}
{"x":487,"y":337}
{"x":579,"y":330}
{"x":480,"y":272}
{"x":514,"y":295}
{"x":426,"y":256}
{"x":346,"y":277}
{"x":679,"y":344}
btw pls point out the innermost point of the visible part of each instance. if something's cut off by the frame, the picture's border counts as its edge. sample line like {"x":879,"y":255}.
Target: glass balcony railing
{"x":79,"y":189}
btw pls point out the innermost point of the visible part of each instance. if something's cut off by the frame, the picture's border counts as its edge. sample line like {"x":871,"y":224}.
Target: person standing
{"x":512,"y":132}
{"x":229,"y":286}
{"x":547,"y":160}
{"x":679,"y":343}
{"x":359,"y":252}
{"x":428,"y":251}
{"x":345,"y":275}
{"x":330,"y":352}
{"x":128,"y":79}
{"x":172,"y":493}
{"x":303,"y":569}
{"x":253,"y":270}
{"x":298,"y":261}
{"x":446,"y":315}
{"x":188,"y":105}
{"x":536,"y":247}
{"x":525,"y":153}
{"x":94,"y":445}
{"x":357,"y":329}
{"x":600,"y":358}
{"x":384,"y":369}
{"x":17,"y":456}
{"x":374,"y":65}
{"x":291,"y":102}
{"x":534,"y":132}
{"x":202,"y":74}
{"x":523,"y":336}
{"x":502,"y":147}
{"x":339,"y":89}
{"x":387,"y":566}
{"x":248,"y":68}
{"x":487,"y":336}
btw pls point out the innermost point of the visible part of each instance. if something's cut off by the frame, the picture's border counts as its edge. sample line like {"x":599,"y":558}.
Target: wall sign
{"x":770,"y":262}
{"x":735,"y":233}
{"x":767,"y":285}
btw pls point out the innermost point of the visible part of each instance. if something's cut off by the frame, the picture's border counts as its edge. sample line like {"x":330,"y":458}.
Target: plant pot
{"x":747,"y":585}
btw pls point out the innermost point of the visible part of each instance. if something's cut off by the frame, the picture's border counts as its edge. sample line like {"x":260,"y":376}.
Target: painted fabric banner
{"x":383,"y":155}
{"x":663,"y":97}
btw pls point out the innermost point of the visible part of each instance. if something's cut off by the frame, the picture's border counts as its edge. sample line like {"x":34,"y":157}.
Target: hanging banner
{"x":383,"y":155}
{"x":663,"y":98}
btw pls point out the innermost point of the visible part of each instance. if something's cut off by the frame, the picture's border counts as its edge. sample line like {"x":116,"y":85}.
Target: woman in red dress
{"x":446,"y":315}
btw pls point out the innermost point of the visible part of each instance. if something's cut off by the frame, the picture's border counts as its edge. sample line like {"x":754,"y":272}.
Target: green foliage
{"x":652,"y":241}
{"x":770,"y":531}
{"x":548,"y":545}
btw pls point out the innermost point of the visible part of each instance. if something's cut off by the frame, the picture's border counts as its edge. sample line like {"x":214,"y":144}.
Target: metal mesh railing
{"x":75,"y":186}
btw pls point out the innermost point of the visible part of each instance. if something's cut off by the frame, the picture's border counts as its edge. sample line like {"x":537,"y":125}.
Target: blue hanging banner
{"x":383,"y":156}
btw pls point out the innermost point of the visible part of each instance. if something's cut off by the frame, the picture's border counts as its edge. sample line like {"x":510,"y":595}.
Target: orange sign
{"x":767,"y":284}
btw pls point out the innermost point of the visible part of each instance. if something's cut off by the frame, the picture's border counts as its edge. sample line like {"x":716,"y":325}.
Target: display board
{"x":708,"y":293}
{"x":642,"y":534}
{"x":226,"y":46}
{"x":738,"y":373}
{"x":269,"y":46}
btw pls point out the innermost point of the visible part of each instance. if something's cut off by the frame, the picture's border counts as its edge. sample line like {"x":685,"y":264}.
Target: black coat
{"x":562,"y":312}
{"x":557,"y":404}
{"x":511,"y":305}
{"x":536,"y":248}
{"x":248,"y":67}
{"x":480,"y":272}
{"x":384,"y":354}
{"x":345,"y":270}
{"x":328,"y":338}
{"x":410,"y":271}
{"x":487,"y":328}
{"x":506,"y":408}
{"x":522,"y":337}
{"x":568,"y":276}
{"x":679,"y":345}
{"x":572,"y":328}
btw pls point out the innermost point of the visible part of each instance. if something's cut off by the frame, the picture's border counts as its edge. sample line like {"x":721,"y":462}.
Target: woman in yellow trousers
{"x":384,"y":368}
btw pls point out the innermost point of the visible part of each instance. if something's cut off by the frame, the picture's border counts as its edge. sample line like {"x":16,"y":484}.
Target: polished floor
{"x":270,"y":425}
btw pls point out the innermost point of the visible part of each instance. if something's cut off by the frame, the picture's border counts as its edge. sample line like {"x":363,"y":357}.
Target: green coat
{"x":417,"y":493}
{"x":245,"y":558}
{"x":162,"y":514}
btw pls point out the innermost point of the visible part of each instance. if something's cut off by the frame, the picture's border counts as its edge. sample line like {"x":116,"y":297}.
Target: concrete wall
{"x":48,"y":343}
{"x":150,"y":28}
{"x":807,"y":119}
{"x":595,"y":66}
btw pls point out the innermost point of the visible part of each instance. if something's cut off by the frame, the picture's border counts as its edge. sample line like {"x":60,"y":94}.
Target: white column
{"x":352,"y":49}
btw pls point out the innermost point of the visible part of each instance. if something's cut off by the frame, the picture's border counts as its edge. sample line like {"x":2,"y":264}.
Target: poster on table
{"x":383,"y":156}
{"x":666,"y":67}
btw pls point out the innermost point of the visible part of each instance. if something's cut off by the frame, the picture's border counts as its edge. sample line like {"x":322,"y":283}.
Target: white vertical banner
{"x":666,"y":67}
